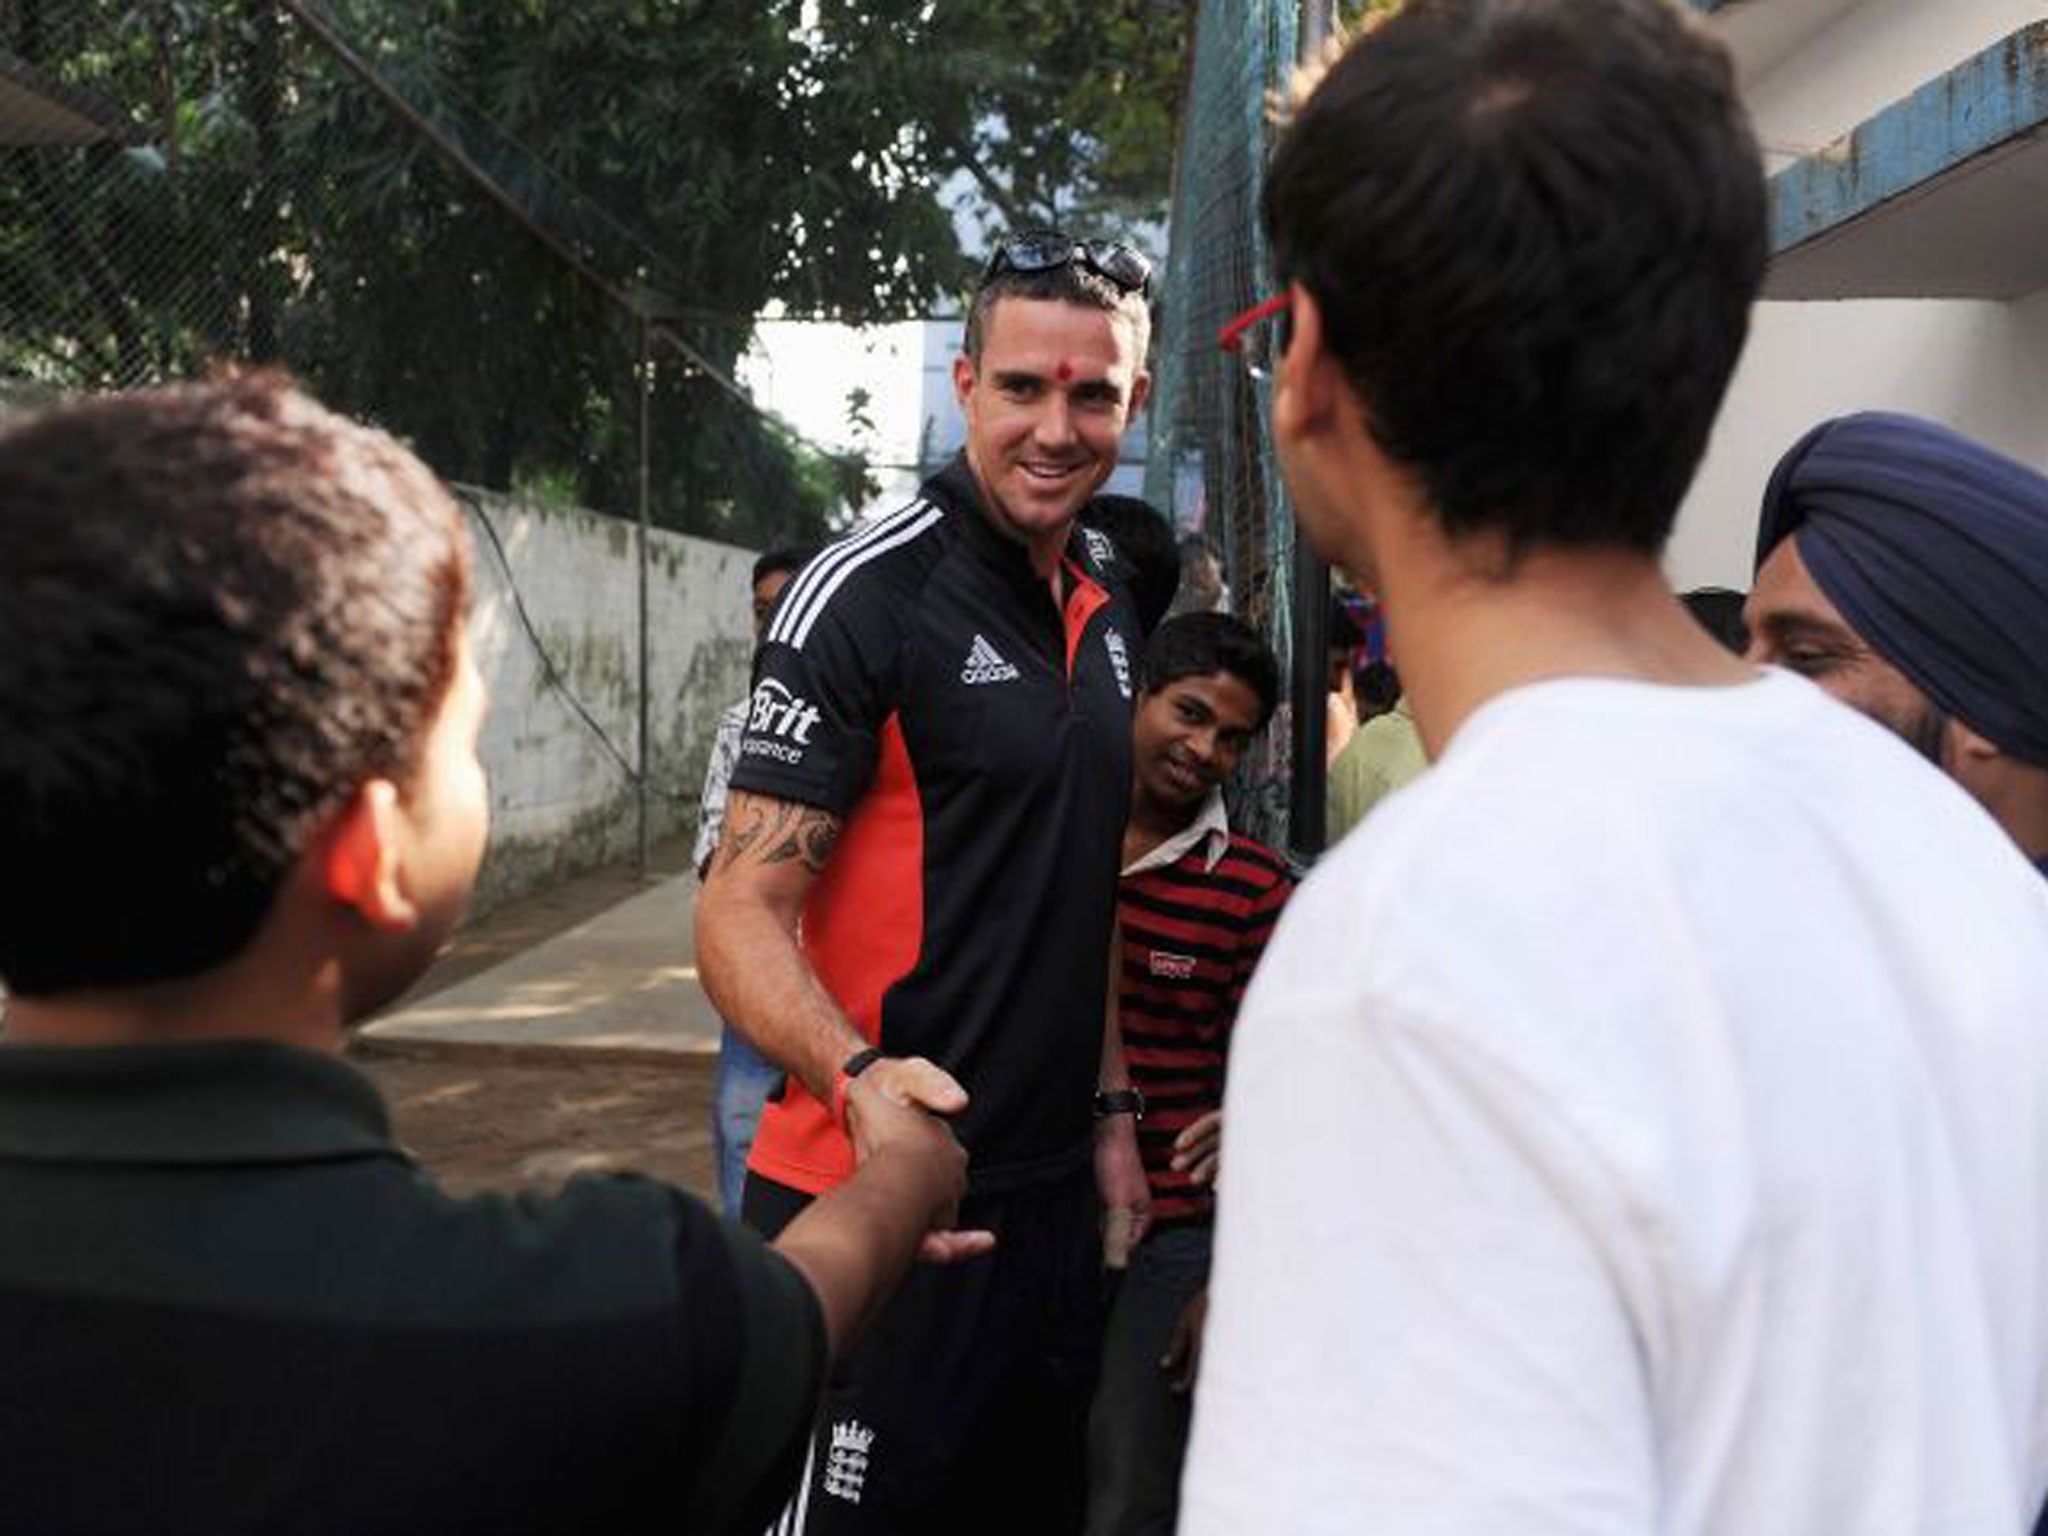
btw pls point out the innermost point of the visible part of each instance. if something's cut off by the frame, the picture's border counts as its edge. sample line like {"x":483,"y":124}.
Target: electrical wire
{"x":550,"y":671}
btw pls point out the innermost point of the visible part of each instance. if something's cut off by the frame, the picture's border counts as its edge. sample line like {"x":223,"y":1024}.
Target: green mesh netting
{"x":1211,"y":460}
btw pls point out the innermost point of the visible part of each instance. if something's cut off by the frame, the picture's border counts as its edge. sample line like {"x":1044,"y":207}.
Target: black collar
{"x":213,"y":1102}
{"x":955,"y":490}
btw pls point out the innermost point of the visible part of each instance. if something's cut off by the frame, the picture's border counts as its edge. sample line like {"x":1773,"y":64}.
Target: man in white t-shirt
{"x":1641,"y":1123}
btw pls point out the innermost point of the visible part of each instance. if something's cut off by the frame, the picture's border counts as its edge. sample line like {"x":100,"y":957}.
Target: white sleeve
{"x":1415,"y":1320}
{"x":725,"y":751}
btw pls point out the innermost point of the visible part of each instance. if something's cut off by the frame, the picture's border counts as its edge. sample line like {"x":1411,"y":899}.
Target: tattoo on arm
{"x":765,"y":831}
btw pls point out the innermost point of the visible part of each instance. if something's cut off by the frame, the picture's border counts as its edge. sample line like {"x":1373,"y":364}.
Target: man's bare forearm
{"x":854,"y":1243}
{"x":747,"y":952}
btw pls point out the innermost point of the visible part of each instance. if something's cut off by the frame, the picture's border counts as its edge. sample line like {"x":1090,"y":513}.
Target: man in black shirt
{"x":917,"y":889}
{"x":241,"y":808}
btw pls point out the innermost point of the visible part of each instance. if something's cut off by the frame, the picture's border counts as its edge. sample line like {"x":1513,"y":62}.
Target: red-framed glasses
{"x":1259,"y":344}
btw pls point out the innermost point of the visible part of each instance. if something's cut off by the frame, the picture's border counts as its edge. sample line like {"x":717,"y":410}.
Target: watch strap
{"x":842,"y":1080}
{"x":1120,"y":1101}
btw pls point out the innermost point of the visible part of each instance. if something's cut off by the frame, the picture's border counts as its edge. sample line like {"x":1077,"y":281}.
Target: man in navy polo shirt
{"x":932,"y":791}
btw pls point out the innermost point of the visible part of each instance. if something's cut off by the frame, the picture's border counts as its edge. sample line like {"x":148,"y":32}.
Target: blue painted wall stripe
{"x":1988,"y":101}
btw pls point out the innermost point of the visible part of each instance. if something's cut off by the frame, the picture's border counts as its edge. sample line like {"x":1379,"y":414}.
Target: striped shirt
{"x":1196,"y":915}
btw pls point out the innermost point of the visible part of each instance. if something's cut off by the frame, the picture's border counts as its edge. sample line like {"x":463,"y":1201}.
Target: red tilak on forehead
{"x":1066,"y":372}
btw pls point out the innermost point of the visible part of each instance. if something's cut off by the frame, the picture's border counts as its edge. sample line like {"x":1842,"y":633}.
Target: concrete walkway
{"x":623,"y":984}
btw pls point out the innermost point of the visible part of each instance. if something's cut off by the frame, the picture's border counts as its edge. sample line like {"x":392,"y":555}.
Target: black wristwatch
{"x":849,"y":1069}
{"x":1120,"y":1101}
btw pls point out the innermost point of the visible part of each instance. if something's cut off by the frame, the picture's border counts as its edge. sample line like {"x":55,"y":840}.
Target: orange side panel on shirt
{"x":863,"y":929}
{"x":1082,"y":602}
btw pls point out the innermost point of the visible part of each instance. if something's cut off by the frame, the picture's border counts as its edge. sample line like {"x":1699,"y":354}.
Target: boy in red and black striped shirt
{"x":1197,"y":904}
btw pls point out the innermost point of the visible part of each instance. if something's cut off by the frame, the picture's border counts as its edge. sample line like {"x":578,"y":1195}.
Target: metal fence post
{"x":1307,"y":776}
{"x":646,"y":401}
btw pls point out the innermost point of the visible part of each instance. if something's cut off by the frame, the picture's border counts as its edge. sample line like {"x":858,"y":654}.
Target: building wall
{"x":1979,"y":366}
{"x":1872,"y":53}
{"x":560,"y":801}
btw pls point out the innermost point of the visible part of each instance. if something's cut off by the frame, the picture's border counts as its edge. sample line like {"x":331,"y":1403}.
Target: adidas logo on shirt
{"x":986,"y":665}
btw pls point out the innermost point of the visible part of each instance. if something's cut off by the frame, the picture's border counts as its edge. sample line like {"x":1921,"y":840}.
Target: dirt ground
{"x":497,"y":1120}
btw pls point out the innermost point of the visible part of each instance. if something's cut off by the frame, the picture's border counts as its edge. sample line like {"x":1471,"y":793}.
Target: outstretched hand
{"x":911,"y":1081}
{"x":890,"y":1113}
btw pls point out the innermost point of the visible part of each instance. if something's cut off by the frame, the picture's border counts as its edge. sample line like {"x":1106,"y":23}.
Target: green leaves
{"x":715,"y":151}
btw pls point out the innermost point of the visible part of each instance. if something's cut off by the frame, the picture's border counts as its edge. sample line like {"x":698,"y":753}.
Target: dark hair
{"x":1719,"y":612}
{"x":1345,"y":633}
{"x":790,"y":557}
{"x":1203,"y":644}
{"x":1534,"y":229}
{"x":1378,"y":687}
{"x":1069,"y":284}
{"x":222,"y":610}
{"x":1145,"y":556}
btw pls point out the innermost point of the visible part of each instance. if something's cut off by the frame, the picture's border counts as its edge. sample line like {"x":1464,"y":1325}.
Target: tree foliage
{"x":689,"y":161}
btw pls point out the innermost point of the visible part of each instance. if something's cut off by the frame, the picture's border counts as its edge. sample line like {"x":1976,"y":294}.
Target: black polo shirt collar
{"x":211,"y":1103}
{"x":955,"y":489}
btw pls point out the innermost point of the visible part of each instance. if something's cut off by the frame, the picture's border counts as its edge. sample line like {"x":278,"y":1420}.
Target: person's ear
{"x":1141,"y":390}
{"x":1966,"y":749}
{"x":1305,"y":382}
{"x":963,"y":378}
{"x":361,"y":858}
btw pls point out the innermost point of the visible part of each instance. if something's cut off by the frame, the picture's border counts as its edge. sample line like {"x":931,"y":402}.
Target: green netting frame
{"x":1211,"y":459}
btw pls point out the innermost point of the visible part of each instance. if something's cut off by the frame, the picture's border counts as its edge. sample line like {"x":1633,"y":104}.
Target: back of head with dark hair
{"x":1069,"y":284}
{"x":1145,"y":551}
{"x":789,"y":558}
{"x":222,"y":610}
{"x":1534,"y":229}
{"x":1202,"y":644}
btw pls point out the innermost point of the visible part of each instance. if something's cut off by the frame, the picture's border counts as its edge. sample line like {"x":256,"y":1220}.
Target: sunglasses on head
{"x":1046,"y":251}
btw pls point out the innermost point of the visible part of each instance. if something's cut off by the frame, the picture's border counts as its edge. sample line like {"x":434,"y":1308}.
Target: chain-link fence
{"x":316,"y":185}
{"x":412,"y":208}
{"x":1212,"y":461}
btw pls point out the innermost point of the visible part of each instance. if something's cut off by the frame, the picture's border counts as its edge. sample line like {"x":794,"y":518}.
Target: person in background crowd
{"x":1384,"y":753}
{"x":1202,"y":587}
{"x":1904,"y":568}
{"x":1197,"y":905}
{"x":1340,"y":701}
{"x":241,"y":806}
{"x":745,"y":1077}
{"x":1640,"y":1123}
{"x":1141,"y":552}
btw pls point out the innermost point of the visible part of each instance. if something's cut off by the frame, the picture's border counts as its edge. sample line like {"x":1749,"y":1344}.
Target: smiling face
{"x":1188,"y":736}
{"x":1793,"y":625}
{"x":1046,"y":407}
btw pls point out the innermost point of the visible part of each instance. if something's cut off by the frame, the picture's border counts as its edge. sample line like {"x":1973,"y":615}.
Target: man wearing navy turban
{"x":1904,"y":569}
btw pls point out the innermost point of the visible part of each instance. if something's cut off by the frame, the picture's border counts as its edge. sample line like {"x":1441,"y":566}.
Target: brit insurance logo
{"x":779,"y":723}
{"x":1120,"y":659}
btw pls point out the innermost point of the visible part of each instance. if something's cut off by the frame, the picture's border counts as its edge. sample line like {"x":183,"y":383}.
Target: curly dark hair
{"x":222,"y":610}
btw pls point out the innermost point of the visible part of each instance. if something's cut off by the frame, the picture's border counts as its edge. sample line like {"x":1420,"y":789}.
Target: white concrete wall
{"x":1866,"y":56}
{"x":560,"y":802}
{"x":1981,"y":367}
